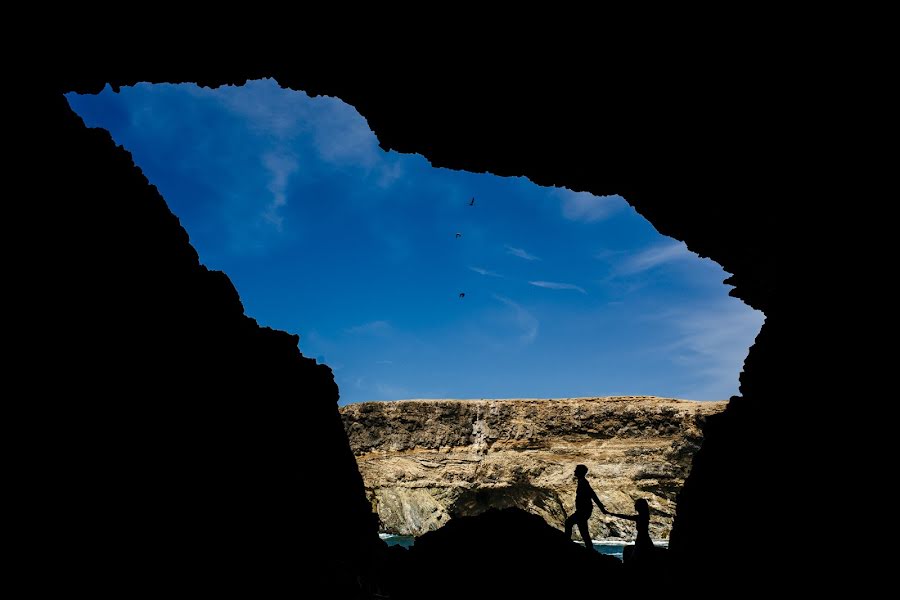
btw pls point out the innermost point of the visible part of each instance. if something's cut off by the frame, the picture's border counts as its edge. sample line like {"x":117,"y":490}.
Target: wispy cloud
{"x":384,"y":362}
{"x":526,"y":322}
{"x":336,"y":131}
{"x":520,"y":253}
{"x":371,"y":328}
{"x":280,"y":166}
{"x":485,"y":272}
{"x":341,"y":135}
{"x":553,"y":285}
{"x":264,"y":106}
{"x":587,"y":208}
{"x":652,"y":257}
{"x":390,"y":171}
{"x":607,"y":254}
{"x":712,"y":345}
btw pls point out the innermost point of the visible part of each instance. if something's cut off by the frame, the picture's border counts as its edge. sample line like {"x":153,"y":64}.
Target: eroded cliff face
{"x":425,"y":462}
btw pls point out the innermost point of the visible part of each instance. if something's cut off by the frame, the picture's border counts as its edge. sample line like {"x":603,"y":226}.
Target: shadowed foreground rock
{"x":165,"y":452}
{"x":505,"y":554}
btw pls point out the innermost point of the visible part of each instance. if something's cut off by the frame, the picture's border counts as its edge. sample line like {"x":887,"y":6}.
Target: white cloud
{"x":342,"y":136}
{"x":384,"y":362}
{"x":336,"y":131}
{"x":389,"y":172}
{"x":265,"y":107}
{"x":520,"y":253}
{"x":587,"y":208}
{"x":280,"y":166}
{"x":653,"y":257}
{"x":526,"y":322}
{"x":712,"y":345}
{"x":371,"y":328}
{"x":607,"y":254}
{"x":481,"y":271}
{"x":552,"y":285}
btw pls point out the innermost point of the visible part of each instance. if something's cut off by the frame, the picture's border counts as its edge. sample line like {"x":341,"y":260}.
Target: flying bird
{"x":472,"y":201}
{"x":458,"y":235}
{"x":462,"y":294}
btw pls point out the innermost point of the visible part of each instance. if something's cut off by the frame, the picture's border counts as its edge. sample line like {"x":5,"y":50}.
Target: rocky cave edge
{"x":188,"y":445}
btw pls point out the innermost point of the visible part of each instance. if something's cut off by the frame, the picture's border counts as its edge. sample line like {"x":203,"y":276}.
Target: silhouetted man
{"x":584,"y":497}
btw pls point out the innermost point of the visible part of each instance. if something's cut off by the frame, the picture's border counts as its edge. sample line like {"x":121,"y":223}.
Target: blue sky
{"x":326,"y":235}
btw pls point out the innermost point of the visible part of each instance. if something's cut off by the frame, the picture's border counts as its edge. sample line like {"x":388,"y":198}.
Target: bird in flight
{"x":462,"y":294}
{"x":458,"y":235}
{"x":472,"y":201}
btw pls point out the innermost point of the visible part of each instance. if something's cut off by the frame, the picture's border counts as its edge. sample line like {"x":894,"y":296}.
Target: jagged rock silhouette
{"x":177,"y":443}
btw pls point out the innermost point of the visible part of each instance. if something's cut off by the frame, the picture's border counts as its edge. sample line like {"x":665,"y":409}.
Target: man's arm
{"x":597,"y":501}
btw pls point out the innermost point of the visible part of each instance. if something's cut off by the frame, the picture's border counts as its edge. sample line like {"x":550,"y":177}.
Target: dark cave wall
{"x":681,"y":149}
{"x":174,"y":438}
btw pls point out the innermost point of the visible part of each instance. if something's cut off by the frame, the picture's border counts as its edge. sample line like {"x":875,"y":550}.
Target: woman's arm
{"x":617,"y":515}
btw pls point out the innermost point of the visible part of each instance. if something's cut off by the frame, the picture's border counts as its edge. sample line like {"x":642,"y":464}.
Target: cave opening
{"x":566,"y":294}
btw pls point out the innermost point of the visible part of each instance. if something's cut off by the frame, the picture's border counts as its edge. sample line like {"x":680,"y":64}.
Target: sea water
{"x":610,"y":547}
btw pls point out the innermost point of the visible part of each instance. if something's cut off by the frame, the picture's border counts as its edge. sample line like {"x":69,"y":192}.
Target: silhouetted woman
{"x":584,"y":496}
{"x":643,"y":545}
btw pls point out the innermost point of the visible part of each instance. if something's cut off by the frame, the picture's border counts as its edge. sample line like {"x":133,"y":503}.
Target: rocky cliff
{"x":425,"y":462}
